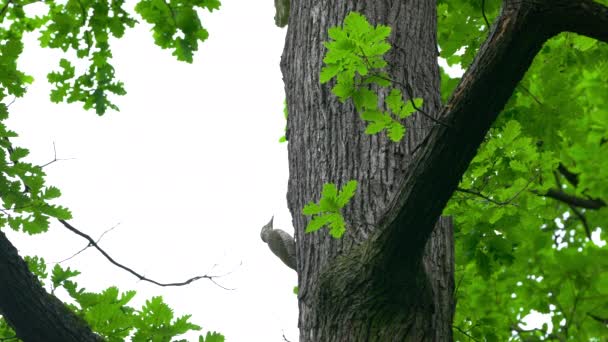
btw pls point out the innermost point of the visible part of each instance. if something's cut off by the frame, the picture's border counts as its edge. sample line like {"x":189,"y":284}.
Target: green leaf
{"x":60,"y":275}
{"x":373,"y":115}
{"x":329,"y":190}
{"x":346,"y":193}
{"x":396,"y":131}
{"x":311,"y":208}
{"x":328,"y":72}
{"x":375,"y":127}
{"x":212,"y":337}
{"x":365,"y":99}
{"x":337,"y":225}
{"x":318,"y":222}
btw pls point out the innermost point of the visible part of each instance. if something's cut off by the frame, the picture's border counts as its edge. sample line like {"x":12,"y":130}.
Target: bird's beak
{"x":271,"y":219}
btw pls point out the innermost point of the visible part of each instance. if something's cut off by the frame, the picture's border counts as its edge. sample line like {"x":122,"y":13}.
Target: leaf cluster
{"x":26,"y":199}
{"x":109,"y":314}
{"x":85,"y":28}
{"x":355,"y":59}
{"x":517,"y":248}
{"x":328,"y":211}
{"x":176,"y":24}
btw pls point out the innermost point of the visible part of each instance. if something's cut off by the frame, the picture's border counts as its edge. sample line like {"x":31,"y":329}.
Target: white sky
{"x":190,"y":168}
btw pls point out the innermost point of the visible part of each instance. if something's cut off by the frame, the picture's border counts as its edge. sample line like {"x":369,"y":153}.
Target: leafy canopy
{"x":83,"y":30}
{"x":516,"y":248}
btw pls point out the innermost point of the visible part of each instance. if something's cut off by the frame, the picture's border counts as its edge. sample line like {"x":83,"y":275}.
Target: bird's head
{"x":266,"y":230}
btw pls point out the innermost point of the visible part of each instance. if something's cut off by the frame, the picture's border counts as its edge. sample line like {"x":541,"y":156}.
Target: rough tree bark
{"x":327,"y":144}
{"x":34,"y":314}
{"x":390,"y":278}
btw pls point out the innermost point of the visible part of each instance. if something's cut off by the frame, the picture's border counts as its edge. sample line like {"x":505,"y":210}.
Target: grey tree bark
{"x":390,"y":278}
{"x":327,"y":144}
{"x":34,"y":314}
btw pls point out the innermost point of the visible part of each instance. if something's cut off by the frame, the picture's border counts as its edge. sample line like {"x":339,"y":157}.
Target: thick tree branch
{"x":34,"y":314}
{"x":437,"y":168}
{"x":516,"y":37}
{"x":587,"y":203}
{"x":603,"y":320}
{"x":585,"y":17}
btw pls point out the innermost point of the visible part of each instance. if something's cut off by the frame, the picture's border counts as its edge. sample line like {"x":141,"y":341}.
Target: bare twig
{"x":141,"y":277}
{"x":87,"y":246}
{"x":284,"y":338}
{"x":55,"y":159}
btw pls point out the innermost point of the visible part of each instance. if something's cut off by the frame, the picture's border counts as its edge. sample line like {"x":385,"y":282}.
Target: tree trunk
{"x":340,"y":298}
{"x":34,"y":314}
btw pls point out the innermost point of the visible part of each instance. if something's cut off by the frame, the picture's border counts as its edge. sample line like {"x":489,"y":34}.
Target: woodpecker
{"x":280,"y":243}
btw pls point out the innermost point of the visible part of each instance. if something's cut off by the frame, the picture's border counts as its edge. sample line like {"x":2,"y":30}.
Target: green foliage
{"x":284,"y":137}
{"x":328,"y":211}
{"x":518,"y":251}
{"x":355,"y":59}
{"x":109,"y":314}
{"x":26,"y":199}
{"x":176,"y":23}
{"x":211,"y":337}
{"x":84,"y":28}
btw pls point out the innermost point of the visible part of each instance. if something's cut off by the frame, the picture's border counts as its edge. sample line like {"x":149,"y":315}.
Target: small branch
{"x":584,"y":17}
{"x":583,"y":221}
{"x":572,"y":200}
{"x":573,"y":208}
{"x":87,"y":246}
{"x":483,"y":13}
{"x":489,"y":199}
{"x":570,"y":176}
{"x":141,"y":277}
{"x":4,"y":8}
{"x":55,"y":159}
{"x":465,"y":333}
{"x":603,"y":320}
{"x":527,"y":91}
{"x":284,"y":338}
{"x":478,"y":194}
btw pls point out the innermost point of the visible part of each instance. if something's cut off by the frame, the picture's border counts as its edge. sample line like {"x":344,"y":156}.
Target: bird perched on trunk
{"x":280,"y":243}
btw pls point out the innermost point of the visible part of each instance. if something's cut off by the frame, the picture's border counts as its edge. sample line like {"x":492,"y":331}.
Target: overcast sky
{"x":190,"y":169}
